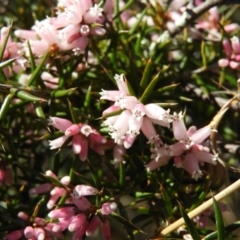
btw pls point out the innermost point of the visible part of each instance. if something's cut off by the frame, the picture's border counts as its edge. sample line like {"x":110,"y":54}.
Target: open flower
{"x":82,"y":136}
{"x":188,"y":152}
{"x":134,"y":116}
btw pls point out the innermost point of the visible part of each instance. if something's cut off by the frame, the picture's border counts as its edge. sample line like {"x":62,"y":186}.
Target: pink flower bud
{"x":235,"y":44}
{"x":84,"y":190}
{"x":51,"y":174}
{"x":82,"y":203}
{"x":72,"y":130}
{"x":78,"y":234}
{"x":51,"y":202}
{"x":39,"y":233}
{"x":111,"y":110}
{"x":106,"y":233}
{"x":57,"y":191}
{"x":46,"y":187}
{"x":61,"y":225}
{"x":231,"y":27}
{"x":234,"y":65}
{"x":77,"y":222}
{"x":108,"y":208}
{"x":93,"y":225}
{"x":65,"y":180}
{"x":227,"y":47}
{"x":29,"y":232}
{"x":223,"y":62}
{"x":62,"y":212}
{"x":24,"y":216}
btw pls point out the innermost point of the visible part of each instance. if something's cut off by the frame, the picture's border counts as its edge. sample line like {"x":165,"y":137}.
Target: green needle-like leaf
{"x":219,"y":220}
{"x":191,"y":228}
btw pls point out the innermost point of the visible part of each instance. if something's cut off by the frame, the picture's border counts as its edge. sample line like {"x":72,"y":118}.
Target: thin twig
{"x":227,"y":191}
{"x":193,"y":14}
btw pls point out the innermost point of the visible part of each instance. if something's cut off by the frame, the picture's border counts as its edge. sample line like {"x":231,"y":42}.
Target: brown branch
{"x":193,"y":14}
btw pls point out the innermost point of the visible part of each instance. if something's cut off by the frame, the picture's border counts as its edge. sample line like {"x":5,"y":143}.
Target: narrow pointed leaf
{"x":219,"y":220}
{"x":39,"y":111}
{"x":5,"y":106}
{"x":115,"y":113}
{"x":32,"y":61}
{"x":88,"y":97}
{"x":148,"y":91}
{"x":62,"y":93}
{"x":167,"y":201}
{"x":7,"y":63}
{"x":4,"y":44}
{"x":146,"y":73}
{"x":37,"y":71}
{"x":121,"y":174}
{"x":190,"y":225}
{"x":25,"y":95}
{"x":130,"y":89}
{"x":167,"y":88}
{"x":124,"y":214}
{"x":71,"y":111}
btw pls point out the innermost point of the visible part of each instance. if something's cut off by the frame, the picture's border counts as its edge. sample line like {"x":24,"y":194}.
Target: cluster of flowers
{"x":69,"y":30}
{"x":82,"y":136}
{"x":232,"y":51}
{"x":124,"y":127}
{"x":78,"y":215}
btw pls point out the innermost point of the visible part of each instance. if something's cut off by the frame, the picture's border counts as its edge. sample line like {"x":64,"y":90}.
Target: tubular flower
{"x":55,"y":191}
{"x":188,"y":152}
{"x":232,"y":52}
{"x":71,"y":29}
{"x":82,"y":135}
{"x":134,"y":116}
{"x":81,"y":218}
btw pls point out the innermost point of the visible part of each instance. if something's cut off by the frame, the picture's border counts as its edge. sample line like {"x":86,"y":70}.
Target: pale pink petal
{"x":76,"y":144}
{"x":77,"y":222}
{"x":179,"y":128}
{"x":84,"y":190}
{"x":190,"y":164}
{"x":156,"y":164}
{"x":60,"y":123}
{"x":84,"y":150}
{"x":106,"y":233}
{"x":200,"y":135}
{"x":58,"y":142}
{"x":93,"y":225}
{"x":121,"y":83}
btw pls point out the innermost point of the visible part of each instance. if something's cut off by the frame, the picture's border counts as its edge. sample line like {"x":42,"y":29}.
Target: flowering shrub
{"x":117,"y":118}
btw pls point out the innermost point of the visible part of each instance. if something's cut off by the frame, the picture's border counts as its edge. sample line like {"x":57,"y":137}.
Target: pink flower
{"x":210,"y":23}
{"x":82,"y":136}
{"x":232,"y":51}
{"x":134,"y":116}
{"x":188,"y":152}
{"x":81,"y":218}
{"x":55,"y":192}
